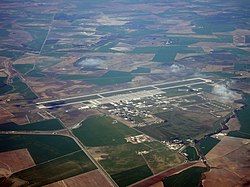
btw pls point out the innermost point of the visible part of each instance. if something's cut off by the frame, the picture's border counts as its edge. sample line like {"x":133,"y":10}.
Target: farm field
{"x":54,"y":146}
{"x":189,"y":177}
{"x":104,"y":131}
{"x":47,"y":125}
{"x":119,"y":158}
{"x":16,"y":160}
{"x":91,"y":179}
{"x":124,"y":93}
{"x":191,"y":152}
{"x":186,"y":125}
{"x":57,"y":169}
{"x":207,"y":144}
{"x":243,"y":116}
{"x":228,"y":159}
{"x":63,"y":158}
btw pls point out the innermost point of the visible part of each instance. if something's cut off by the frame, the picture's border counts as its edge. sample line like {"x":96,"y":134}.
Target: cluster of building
{"x":138,"y":139}
{"x":174,"y":145}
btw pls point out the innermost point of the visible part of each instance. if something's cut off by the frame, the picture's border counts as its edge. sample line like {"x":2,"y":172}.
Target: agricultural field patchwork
{"x":119,"y":93}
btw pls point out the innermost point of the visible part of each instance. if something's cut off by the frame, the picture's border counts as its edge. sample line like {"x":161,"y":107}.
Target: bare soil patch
{"x":229,"y":159}
{"x":16,"y":160}
{"x":90,"y":179}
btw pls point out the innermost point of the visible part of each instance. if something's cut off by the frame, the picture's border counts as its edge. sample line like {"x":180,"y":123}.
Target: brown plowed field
{"x":230,"y":160}
{"x":17,"y":160}
{"x":90,"y":179}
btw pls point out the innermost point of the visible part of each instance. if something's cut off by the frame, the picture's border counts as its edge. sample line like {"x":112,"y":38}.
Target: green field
{"x":206,"y":144}
{"x":192,"y":154}
{"x":23,"y":68}
{"x":128,"y":91}
{"x":164,"y":54}
{"x":238,"y":52}
{"x":188,"y":178}
{"x":54,"y":146}
{"x":141,"y":70}
{"x":47,"y":62}
{"x":27,"y":69}
{"x":13,"y":55}
{"x":38,"y":35}
{"x":99,"y":131}
{"x":122,"y":157}
{"x":47,"y":125}
{"x":4,"y":88}
{"x":119,"y":158}
{"x":109,"y":78}
{"x":241,"y":67}
{"x":221,"y":74}
{"x":22,"y":88}
{"x":204,"y":87}
{"x":179,"y":83}
{"x":183,"y":90}
{"x":179,"y":126}
{"x":244,"y":118}
{"x":162,"y":158}
{"x":131,"y":176}
{"x":58,"y":169}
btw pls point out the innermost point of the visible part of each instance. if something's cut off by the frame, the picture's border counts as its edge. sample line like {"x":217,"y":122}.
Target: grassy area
{"x":179,"y":83}
{"x":141,"y":70}
{"x":4,"y":88}
{"x":177,"y":91}
{"x":190,"y":177}
{"x":44,"y":63}
{"x":203,"y":87}
{"x":58,"y":169}
{"x":41,"y":147}
{"x":17,"y":87}
{"x":248,"y":39}
{"x":35,"y":73}
{"x":128,"y":91}
{"x":23,"y":89}
{"x":131,"y":176}
{"x":164,"y":54}
{"x":179,"y":125}
{"x":123,"y":163}
{"x":206,"y":144}
{"x":23,"y":68}
{"x":102,"y":131}
{"x":13,"y":55}
{"x":4,"y":33}
{"x":162,"y":158}
{"x":38,"y":36}
{"x":27,"y":69}
{"x":109,"y":78}
{"x":213,"y":23}
{"x":122,"y":157}
{"x":191,"y":152}
{"x":238,"y":52}
{"x":244,"y":118}
{"x":47,"y":125}
{"x":241,"y":67}
{"x":220,"y":74}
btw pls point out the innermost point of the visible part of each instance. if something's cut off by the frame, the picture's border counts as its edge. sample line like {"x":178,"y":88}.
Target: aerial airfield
{"x":124,"y":93}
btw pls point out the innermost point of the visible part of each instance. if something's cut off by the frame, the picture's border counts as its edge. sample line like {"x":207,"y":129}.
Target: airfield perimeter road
{"x":49,"y":104}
